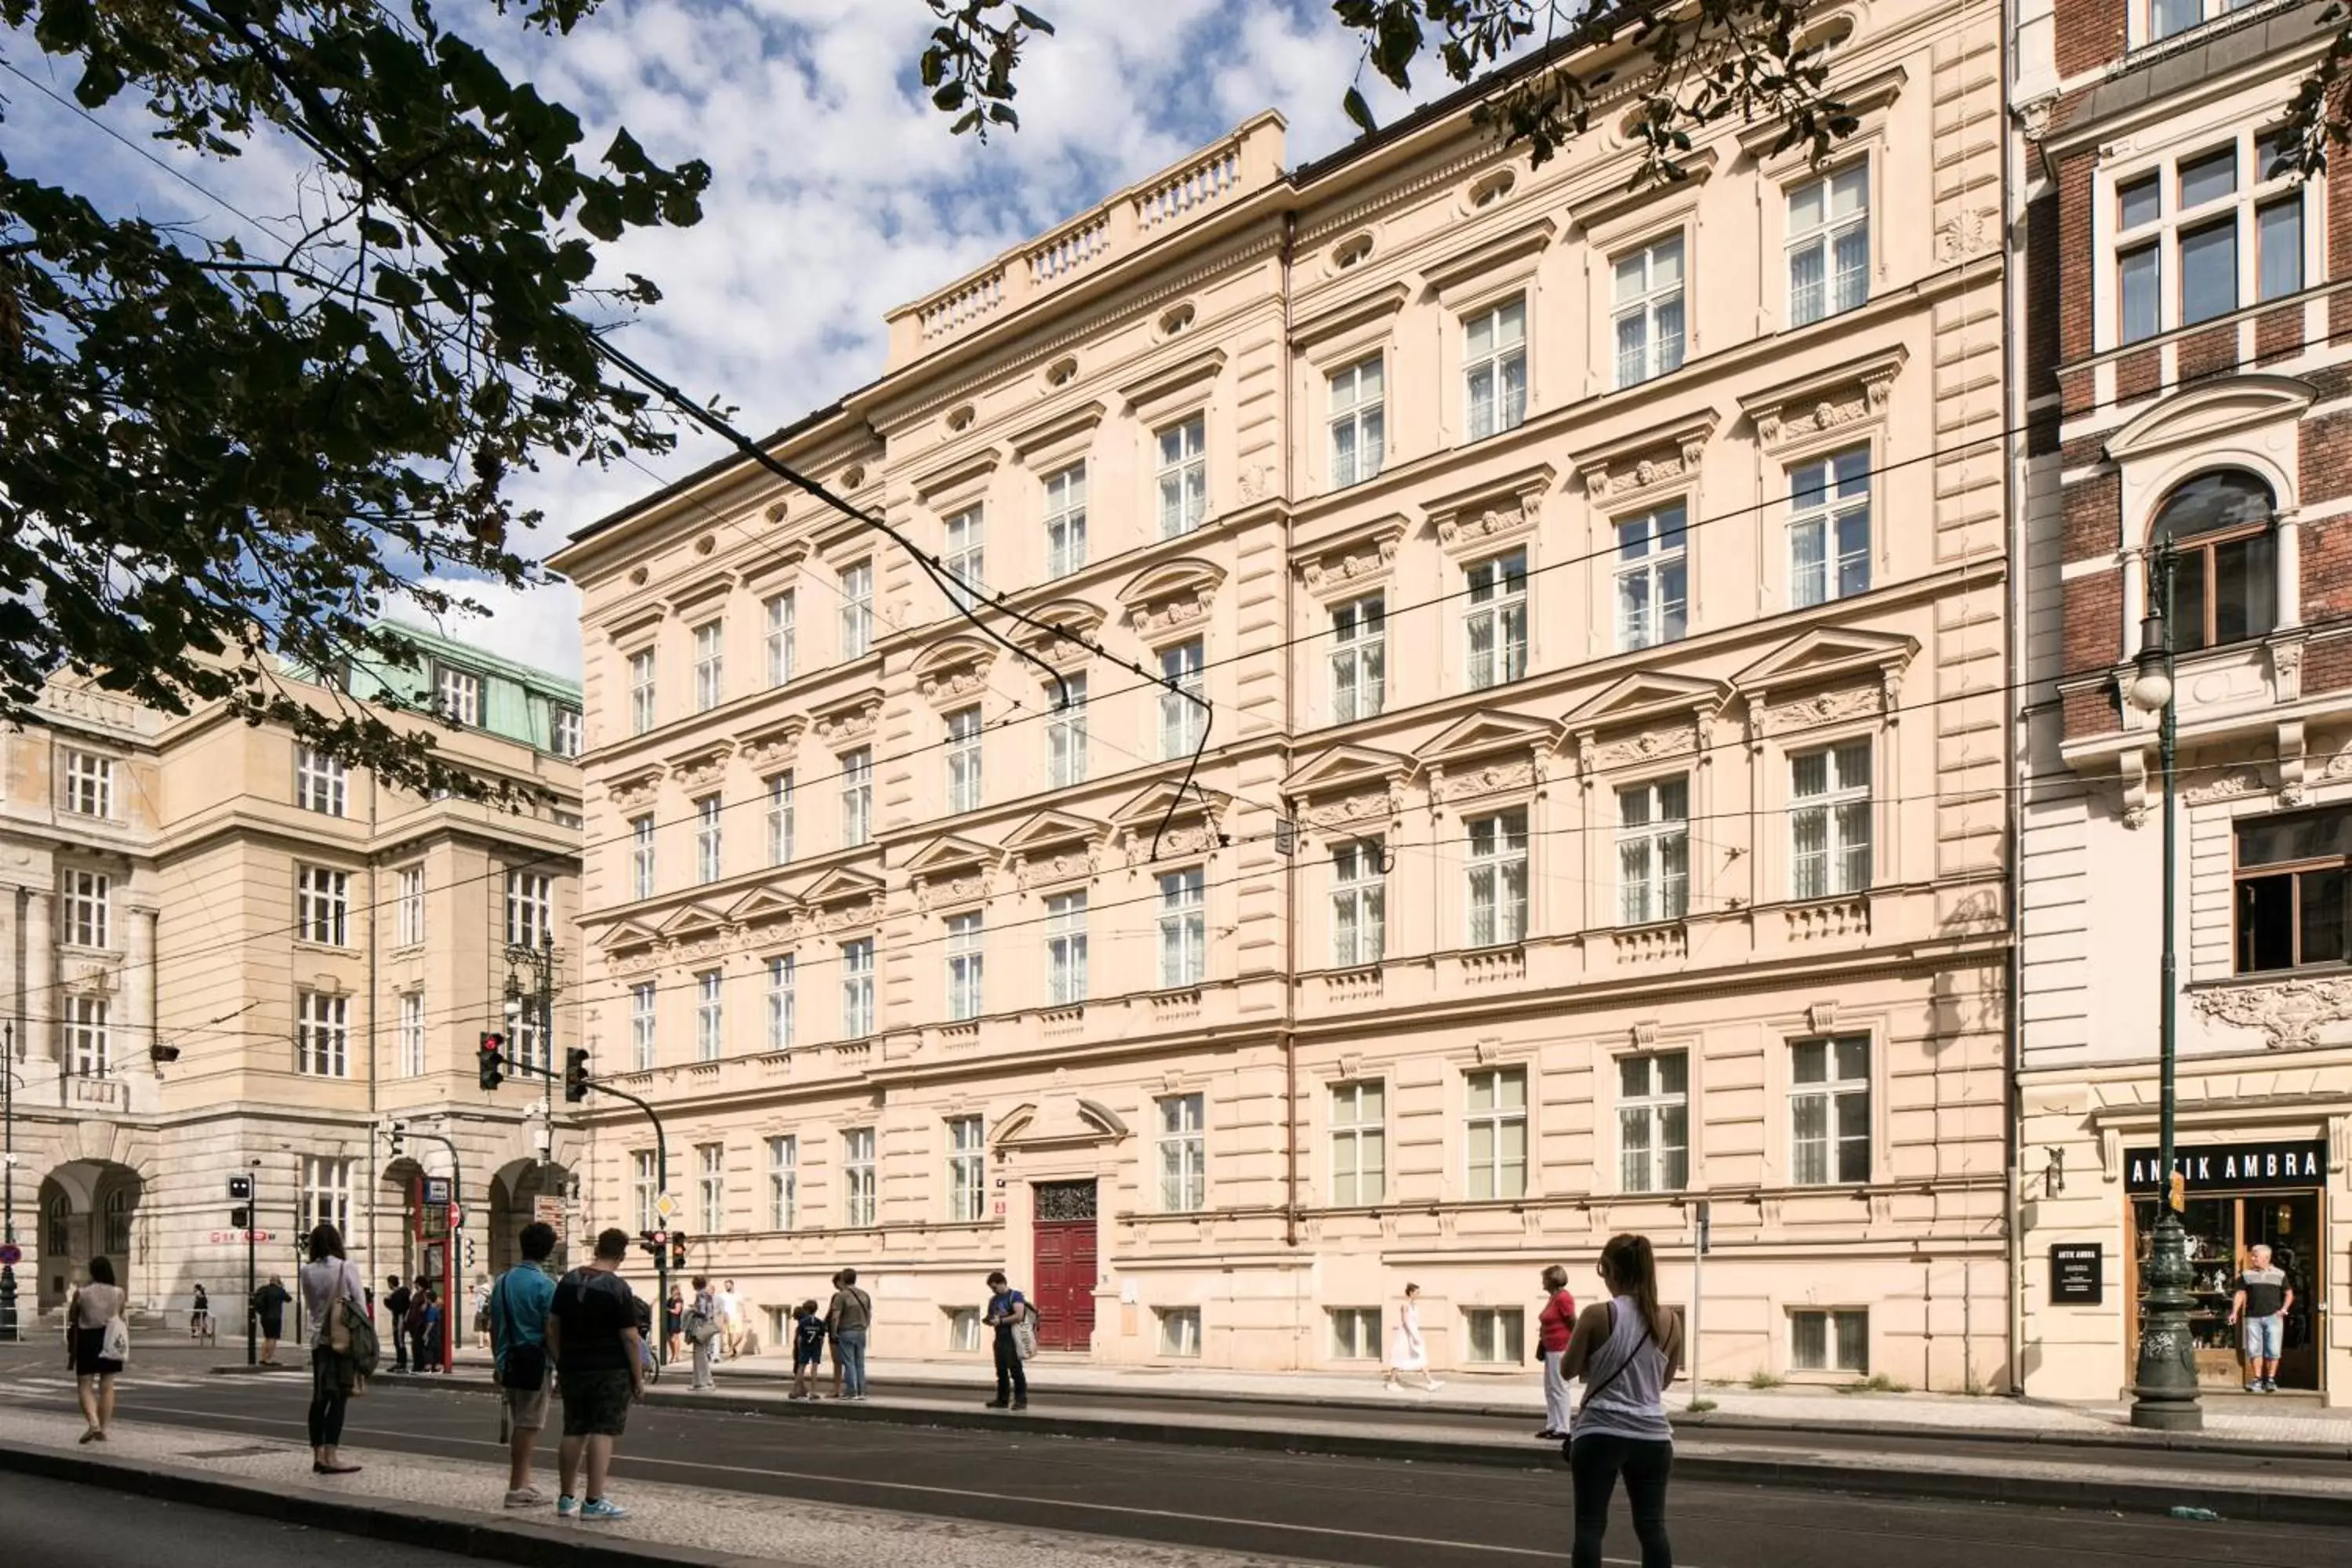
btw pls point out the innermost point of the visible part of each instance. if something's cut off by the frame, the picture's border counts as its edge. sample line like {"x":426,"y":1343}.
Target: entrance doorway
{"x":1063,"y":1239}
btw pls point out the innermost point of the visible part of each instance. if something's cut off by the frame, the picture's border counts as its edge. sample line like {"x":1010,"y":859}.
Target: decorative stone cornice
{"x":2289,"y":1013}
{"x":1851,"y":393}
{"x":634,"y":788}
{"x":1491,"y":514}
{"x":1362,"y":559}
{"x":704,"y":765}
{"x":777,"y":742}
{"x":847,"y":718}
{"x":1171,"y":595}
{"x":1650,"y":458}
{"x":954,"y":670}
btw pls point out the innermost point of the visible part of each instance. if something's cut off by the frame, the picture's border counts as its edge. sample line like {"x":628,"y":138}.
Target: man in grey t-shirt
{"x":849,"y":1316}
{"x":2260,"y":1296}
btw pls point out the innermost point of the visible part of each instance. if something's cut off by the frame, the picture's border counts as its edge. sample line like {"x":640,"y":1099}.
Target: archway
{"x":514,"y":1200}
{"x":89,"y":1208}
{"x":396,"y":1249}
{"x":2222,"y":527}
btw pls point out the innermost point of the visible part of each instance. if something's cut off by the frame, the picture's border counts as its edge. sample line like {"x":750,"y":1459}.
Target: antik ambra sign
{"x":2216,"y":1167}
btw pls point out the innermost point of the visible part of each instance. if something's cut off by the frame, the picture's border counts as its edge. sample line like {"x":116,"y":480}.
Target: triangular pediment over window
{"x":1346,"y":768}
{"x":1824,"y":655}
{"x":691,"y":918}
{"x":1486,"y":733}
{"x":764,"y":904}
{"x":1647,"y":697}
{"x":948,"y":853}
{"x":1051,"y":829}
{"x":1153,"y":805}
{"x":622,"y":935}
{"x":840,"y":886}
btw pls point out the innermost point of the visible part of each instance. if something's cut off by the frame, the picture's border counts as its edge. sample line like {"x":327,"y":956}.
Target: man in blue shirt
{"x":1007,"y":1307}
{"x":517,"y":1311}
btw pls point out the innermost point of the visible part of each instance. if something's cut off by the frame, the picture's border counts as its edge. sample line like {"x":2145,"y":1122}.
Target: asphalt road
{"x":1369,"y":1512}
{"x":56,"y":1524}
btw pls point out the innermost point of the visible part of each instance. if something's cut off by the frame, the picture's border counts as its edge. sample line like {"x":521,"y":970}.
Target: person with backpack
{"x":1008,"y":1314}
{"x":329,"y":1282}
{"x":847,"y":1318}
{"x":518,"y":1318}
{"x":1626,"y":1349}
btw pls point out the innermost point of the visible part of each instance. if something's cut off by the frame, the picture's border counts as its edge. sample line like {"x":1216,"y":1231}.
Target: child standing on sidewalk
{"x":808,"y":1350}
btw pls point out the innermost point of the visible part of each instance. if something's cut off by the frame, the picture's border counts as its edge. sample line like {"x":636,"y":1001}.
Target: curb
{"x":419,"y":1525}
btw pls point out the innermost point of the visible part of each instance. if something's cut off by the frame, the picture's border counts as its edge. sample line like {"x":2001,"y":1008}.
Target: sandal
{"x":318,"y":1468}
{"x":89,"y":1436}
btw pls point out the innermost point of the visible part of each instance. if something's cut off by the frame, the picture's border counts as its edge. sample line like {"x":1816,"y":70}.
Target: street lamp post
{"x":2163,"y":1384}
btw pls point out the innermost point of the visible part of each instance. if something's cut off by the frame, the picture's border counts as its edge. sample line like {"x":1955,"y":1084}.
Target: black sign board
{"x":437,"y":1190}
{"x":2075,"y":1276}
{"x":2219,"y":1167}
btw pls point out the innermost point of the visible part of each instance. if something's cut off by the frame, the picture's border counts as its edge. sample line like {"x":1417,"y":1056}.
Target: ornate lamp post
{"x":2163,"y":1384}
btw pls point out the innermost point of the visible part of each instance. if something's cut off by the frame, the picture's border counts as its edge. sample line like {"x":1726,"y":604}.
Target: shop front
{"x":2236,"y":1197}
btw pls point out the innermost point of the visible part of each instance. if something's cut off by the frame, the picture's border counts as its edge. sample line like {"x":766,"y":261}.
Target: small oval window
{"x":1491,"y":188}
{"x":1351,"y":251}
{"x":1062,"y":372}
{"x":1175,"y":321}
{"x":961,"y":418}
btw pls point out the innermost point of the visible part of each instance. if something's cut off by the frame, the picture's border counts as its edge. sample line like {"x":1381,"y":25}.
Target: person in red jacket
{"x":1554,"y":1324}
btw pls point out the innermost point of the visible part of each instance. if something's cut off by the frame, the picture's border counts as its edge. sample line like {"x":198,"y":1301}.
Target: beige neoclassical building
{"x":1595,"y":600}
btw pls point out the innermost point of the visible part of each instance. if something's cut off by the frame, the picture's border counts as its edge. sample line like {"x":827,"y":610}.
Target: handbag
{"x":116,"y":1345}
{"x":1025,"y":1331}
{"x":351,"y":1334}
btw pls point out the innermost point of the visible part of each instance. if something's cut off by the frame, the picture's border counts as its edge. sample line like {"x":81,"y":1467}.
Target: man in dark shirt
{"x":396,"y":1313}
{"x":592,"y":1333}
{"x":1007,"y":1307}
{"x":2261,"y":1296}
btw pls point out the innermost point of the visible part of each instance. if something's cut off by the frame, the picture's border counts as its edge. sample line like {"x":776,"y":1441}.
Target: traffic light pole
{"x":661,"y":1184}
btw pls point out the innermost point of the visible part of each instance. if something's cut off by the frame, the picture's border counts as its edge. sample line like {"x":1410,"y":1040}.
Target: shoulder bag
{"x":1025,"y":1331}
{"x":116,"y":1345}
{"x":351,"y":1334}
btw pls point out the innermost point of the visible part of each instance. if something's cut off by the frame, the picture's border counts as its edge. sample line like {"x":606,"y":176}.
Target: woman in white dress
{"x":1408,"y":1351}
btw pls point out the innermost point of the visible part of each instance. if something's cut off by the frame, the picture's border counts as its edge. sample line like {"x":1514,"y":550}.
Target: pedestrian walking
{"x":592,"y":1331}
{"x":412,"y":1325}
{"x":1626,"y":1348}
{"x":1008,"y":1312}
{"x":270,"y":1308}
{"x":200,"y":1317}
{"x":329,"y":1279}
{"x":98,"y":1343}
{"x":848,"y":1318}
{"x":674,"y":1322}
{"x":396,"y":1317}
{"x":2260,"y":1297}
{"x":1555,"y":1325}
{"x":808,"y":1349}
{"x":703,"y":1328}
{"x":730,"y":1320}
{"x":1408,"y":1351}
{"x":482,"y":1300}
{"x":517,"y":1310}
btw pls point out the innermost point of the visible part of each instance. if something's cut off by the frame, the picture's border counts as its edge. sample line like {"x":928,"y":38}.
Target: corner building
{"x":1598,"y":598}
{"x":2185,"y":314}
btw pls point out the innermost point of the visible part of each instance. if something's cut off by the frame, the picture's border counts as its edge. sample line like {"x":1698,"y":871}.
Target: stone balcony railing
{"x":1210,"y":181}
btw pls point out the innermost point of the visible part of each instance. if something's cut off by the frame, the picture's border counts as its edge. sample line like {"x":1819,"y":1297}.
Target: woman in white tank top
{"x":1626,"y":1349}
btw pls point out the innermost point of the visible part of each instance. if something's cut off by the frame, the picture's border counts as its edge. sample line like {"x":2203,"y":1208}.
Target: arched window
{"x":2223,"y":527}
{"x":118,"y":1223}
{"x":57,"y":1241}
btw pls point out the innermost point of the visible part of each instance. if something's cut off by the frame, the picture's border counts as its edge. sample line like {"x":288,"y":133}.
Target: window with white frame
{"x":645,"y":1186}
{"x":319,"y":781}
{"x":964,"y":731}
{"x":1653,"y":851}
{"x":1066,"y":520}
{"x":460,"y":694}
{"x":1830,"y":1341}
{"x":2206,"y":233}
{"x":712,"y":1157}
{"x":964,"y":553}
{"x":89,"y":908}
{"x":706,"y":845}
{"x":1180,"y":1331}
{"x":530,"y":909}
{"x":1358,"y":904}
{"x":1654,"y":1123}
{"x":89,"y":1046}
{"x":326,"y":1192}
{"x":780,"y":819}
{"x":90,"y":783}
{"x":411,"y":1034}
{"x":783,"y":1181}
{"x":322,"y":903}
{"x":1829,"y":1110}
{"x":1184,"y":476}
{"x":1355,"y":1334}
{"x":1359,"y":1159}
{"x":1648,"y":312}
{"x":1829,"y":821}
{"x":783,"y":611}
{"x":1495,"y":876}
{"x":1829,"y":527}
{"x":1183,"y":1154}
{"x":641,"y":691}
{"x":564,"y":733}
{"x":1183,"y":709}
{"x":641,"y":855}
{"x":857,"y":988}
{"x":526,"y":1040}
{"x":1495,"y":1336}
{"x":709,"y":666}
{"x":965,"y":1330}
{"x":2160,"y":19}
{"x":857,"y":796}
{"x":641,"y":1026}
{"x":409,"y":916}
{"x":1494,"y":369}
{"x":1495,"y":625}
{"x":1065,"y":949}
{"x":1360,"y":659}
{"x":1653,"y":578}
{"x":1183,"y":928}
{"x":1828,"y":245}
{"x":963,"y":952}
{"x":858,"y":1186}
{"x":783,"y":1005}
{"x":1066,"y":734}
{"x":967,"y":1171}
{"x":1359,"y":427}
{"x":322,"y":1034}
{"x":1495,"y":1133}
{"x":710,"y":1015}
{"x":857,"y":610}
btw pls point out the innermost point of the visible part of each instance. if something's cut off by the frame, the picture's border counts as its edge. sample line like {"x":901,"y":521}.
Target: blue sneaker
{"x":567,"y":1507}
{"x":602,"y":1508}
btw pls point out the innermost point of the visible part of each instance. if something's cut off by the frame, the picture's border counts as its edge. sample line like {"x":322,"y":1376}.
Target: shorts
{"x":2265,"y":1336}
{"x":596,"y":1403}
{"x":807,"y":1360}
{"x":527,"y":1408}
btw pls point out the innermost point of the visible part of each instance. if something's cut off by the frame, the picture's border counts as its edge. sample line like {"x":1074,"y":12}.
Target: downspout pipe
{"x":1290,"y":862}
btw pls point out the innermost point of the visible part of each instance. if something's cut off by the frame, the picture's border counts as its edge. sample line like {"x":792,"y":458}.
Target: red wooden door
{"x":1063,"y":1246}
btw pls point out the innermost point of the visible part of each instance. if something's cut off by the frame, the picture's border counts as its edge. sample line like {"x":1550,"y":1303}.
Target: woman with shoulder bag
{"x":98,"y":1343}
{"x":330,"y":1281}
{"x":702,"y":1331}
{"x":1626,"y":1348}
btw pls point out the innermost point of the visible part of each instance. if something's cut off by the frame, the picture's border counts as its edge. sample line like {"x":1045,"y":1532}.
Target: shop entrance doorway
{"x":2238,"y":1196}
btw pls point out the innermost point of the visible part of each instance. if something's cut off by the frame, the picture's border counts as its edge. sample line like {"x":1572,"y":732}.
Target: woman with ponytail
{"x":1626,"y":1348}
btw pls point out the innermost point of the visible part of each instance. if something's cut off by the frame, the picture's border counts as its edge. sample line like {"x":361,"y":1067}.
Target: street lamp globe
{"x":2150,"y":687}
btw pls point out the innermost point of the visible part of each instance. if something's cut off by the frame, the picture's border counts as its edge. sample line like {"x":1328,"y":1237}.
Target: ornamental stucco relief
{"x":2289,"y":1013}
{"x":1491,"y":779}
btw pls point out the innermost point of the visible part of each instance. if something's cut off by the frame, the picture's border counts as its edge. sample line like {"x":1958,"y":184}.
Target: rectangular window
{"x":326,"y":1192}
{"x":965,"y":1330}
{"x":1183,"y":929}
{"x":1653,"y":851}
{"x":645,"y":1186}
{"x":963,"y":759}
{"x":1649,"y":308}
{"x":1497,"y":1132}
{"x":1495,"y":1336}
{"x":90,"y":1045}
{"x":1494,"y":875}
{"x":1360,"y":659}
{"x":784,"y":1182}
{"x":641,"y":1026}
{"x":1066,"y":734}
{"x":1184,"y":476}
{"x":1180,"y":1332}
{"x":1829,"y":1110}
{"x":857,"y":988}
{"x":709,"y":666}
{"x":2278,"y":229}
{"x":1829,"y":529}
{"x":2215,"y":231}
{"x":1358,"y":904}
{"x":1830,"y":1341}
{"x":530,"y":909}
{"x":1654,"y":1123}
{"x":322,"y":1034}
{"x":641,"y":855}
{"x":460,"y":694}
{"x":857,"y":610}
{"x":1066,"y":520}
{"x":967,"y":1171}
{"x":858,"y":1186}
{"x":1065,"y":949}
{"x":706,"y":838}
{"x":783,"y":625}
{"x":409,"y":919}
{"x":1653,"y":578}
{"x":710,"y":1015}
{"x":856,"y":798}
{"x":1184,"y":711}
{"x":964,"y":991}
{"x":89,"y":784}
{"x":641,"y":691}
{"x":1495,"y":624}
{"x":963,"y":551}
{"x":2208,"y":271}
{"x":525,"y":1041}
{"x":783,"y":1003}
{"x":1359,"y":1161}
{"x":323,"y":901}
{"x":1183,"y":1154}
{"x":319,"y":781}
{"x":1359,"y":434}
{"x":1355,"y":1334}
{"x":1829,"y":821}
{"x":1494,"y":369}
{"x":2293,"y":891}
{"x":2139,"y":293}
{"x":563,"y":731}
{"x":89,"y":909}
{"x":712,"y":1158}
{"x":1828,"y":245}
{"x":411,"y":1034}
{"x":779,"y":820}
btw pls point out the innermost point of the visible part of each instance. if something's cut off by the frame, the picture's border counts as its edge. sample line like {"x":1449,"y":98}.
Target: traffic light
{"x":240,"y":1219}
{"x":653,"y":1242}
{"x":575,"y":1075}
{"x":493,"y":1049}
{"x":399,"y":1138}
{"x":677,"y":1240}
{"x":240,"y":1186}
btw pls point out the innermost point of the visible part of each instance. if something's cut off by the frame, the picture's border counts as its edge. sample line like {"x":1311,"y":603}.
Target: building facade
{"x":226,"y":955}
{"x":2183,"y":307}
{"x":1598,"y":632}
